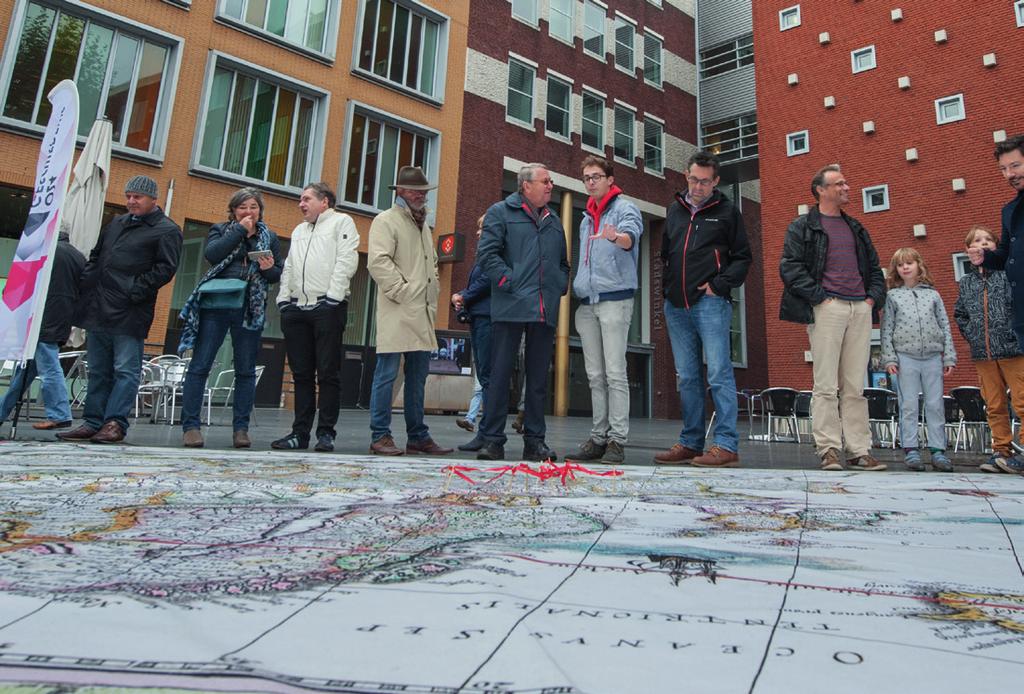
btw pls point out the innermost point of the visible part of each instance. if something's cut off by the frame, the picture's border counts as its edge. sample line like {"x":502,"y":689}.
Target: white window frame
{"x":433,"y":162}
{"x":622,"y":20}
{"x":739,"y":302}
{"x":603,"y":98}
{"x":588,"y":27}
{"x":648,"y":118}
{"x":330,"y":31}
{"x":318,"y":130}
{"x":1018,"y":11}
{"x":172,"y":42}
{"x":961,"y":263}
{"x":953,"y":98}
{"x":532,"y":67}
{"x":784,"y":16}
{"x":554,"y":76}
{"x":619,"y":105}
{"x":572,"y":21}
{"x":441,"y":59}
{"x":791,"y":149}
{"x":864,"y":51}
{"x":660,"y":62}
{"x":868,"y":191}
{"x":534,"y":19}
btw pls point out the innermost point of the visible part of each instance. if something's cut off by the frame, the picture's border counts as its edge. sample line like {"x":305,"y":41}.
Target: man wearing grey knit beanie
{"x":135,"y":255}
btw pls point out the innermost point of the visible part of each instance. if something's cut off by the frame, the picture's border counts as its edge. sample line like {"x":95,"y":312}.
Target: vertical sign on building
{"x":24,"y":295}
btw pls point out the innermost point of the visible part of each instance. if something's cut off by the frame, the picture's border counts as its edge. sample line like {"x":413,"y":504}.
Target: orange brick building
{"x":909,"y":98}
{"x":207,"y":97}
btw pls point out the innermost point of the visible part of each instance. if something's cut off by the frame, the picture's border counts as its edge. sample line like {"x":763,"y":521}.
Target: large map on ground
{"x":126,"y":568}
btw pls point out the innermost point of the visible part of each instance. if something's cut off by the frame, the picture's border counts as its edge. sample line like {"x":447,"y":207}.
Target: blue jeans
{"x":115,"y":367}
{"x":705,"y":324}
{"x":384,"y":375}
{"x":214,"y":324}
{"x":45,"y":364}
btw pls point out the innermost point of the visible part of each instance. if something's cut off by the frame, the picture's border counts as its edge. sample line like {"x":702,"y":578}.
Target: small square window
{"x":789,"y":18}
{"x":863,"y":59}
{"x":1018,"y":10}
{"x":949,"y":109}
{"x":876,"y":198}
{"x":961,"y":266}
{"x":798,"y":143}
{"x":525,"y":10}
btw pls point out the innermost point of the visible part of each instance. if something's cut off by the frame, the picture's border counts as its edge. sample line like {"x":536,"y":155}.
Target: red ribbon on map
{"x":546,"y":471}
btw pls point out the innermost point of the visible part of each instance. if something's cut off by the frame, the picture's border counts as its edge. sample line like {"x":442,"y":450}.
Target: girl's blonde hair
{"x":903,"y":255}
{"x":972,"y":234}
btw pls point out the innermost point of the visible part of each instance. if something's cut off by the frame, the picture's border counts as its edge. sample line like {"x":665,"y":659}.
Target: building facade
{"x":556,"y":80}
{"x":207,"y":97}
{"x":910,"y":101}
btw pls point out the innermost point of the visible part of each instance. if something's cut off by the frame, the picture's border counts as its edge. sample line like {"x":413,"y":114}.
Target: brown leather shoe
{"x":111,"y":432}
{"x":48,"y":424}
{"x":385,"y":445}
{"x":517,"y":423}
{"x":465,"y":424}
{"x":717,"y":457}
{"x":240,"y":439}
{"x":426,"y":447}
{"x":193,"y":438}
{"x":83,"y":432}
{"x":677,"y":455}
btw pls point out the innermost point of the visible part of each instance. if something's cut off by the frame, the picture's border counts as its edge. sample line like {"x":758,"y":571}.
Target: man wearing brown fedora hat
{"x":402,"y":261}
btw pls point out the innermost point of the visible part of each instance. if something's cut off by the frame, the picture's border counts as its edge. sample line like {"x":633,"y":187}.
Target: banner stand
{"x":25,"y":386}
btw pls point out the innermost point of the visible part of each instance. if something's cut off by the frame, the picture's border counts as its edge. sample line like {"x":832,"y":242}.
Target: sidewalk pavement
{"x":564,"y":435}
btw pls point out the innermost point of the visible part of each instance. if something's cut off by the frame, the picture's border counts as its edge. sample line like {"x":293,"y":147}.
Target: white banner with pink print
{"x":24,"y":296}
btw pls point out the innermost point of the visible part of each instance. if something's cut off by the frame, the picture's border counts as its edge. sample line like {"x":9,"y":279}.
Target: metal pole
{"x":25,"y":372}
{"x":562,"y":330}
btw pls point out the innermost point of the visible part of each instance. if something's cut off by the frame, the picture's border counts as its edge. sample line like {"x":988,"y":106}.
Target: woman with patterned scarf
{"x":241,"y":248}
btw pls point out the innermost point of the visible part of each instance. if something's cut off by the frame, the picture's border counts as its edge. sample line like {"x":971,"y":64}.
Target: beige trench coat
{"x":403,"y":262}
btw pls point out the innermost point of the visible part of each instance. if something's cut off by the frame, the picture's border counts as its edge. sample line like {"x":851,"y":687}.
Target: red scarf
{"x":595,"y":209}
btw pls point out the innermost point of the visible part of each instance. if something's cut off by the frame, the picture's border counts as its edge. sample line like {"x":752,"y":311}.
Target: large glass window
{"x":654,"y":146}
{"x":525,"y":10}
{"x":121,"y":73}
{"x":301,"y":22}
{"x":258,"y":128}
{"x":624,"y":119}
{"x":520,"y":92}
{"x":402,"y":44}
{"x":559,"y":93}
{"x":727,"y":56}
{"x":560,"y":24}
{"x":593,"y":121}
{"x":593,"y":28}
{"x":652,"y":59}
{"x":378,"y":146}
{"x":733,"y":138}
{"x":625,"y":34}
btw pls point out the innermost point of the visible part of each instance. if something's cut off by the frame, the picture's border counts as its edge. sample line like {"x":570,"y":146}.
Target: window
{"x":378,"y":146}
{"x":520,"y":92}
{"x":862,"y":59}
{"x":727,"y":56}
{"x":525,"y":10}
{"x":304,"y":23}
{"x":654,"y":146}
{"x":1018,"y":9}
{"x":593,"y":121}
{"x":624,"y":134}
{"x":625,"y":34}
{"x":738,"y":326}
{"x":876,"y":198}
{"x":404,"y":45}
{"x":559,"y":93}
{"x":259,"y":126}
{"x":798,"y":143}
{"x":122,"y":71}
{"x":789,"y":18}
{"x":593,"y":28}
{"x":733,"y":138}
{"x":560,"y":24}
{"x":961,"y":266}
{"x":652,"y":58}
{"x":949,"y":109}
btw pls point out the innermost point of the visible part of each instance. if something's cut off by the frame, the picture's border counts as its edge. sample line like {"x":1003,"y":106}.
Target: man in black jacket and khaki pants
{"x":135,"y":255}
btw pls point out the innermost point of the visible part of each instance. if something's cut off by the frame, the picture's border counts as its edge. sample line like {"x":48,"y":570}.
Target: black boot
{"x":538,"y":452}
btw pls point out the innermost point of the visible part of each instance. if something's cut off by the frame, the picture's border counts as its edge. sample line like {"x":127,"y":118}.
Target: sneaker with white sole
{"x":831,"y":461}
{"x":1012,"y":465}
{"x":941,"y":462}
{"x":912,"y":459}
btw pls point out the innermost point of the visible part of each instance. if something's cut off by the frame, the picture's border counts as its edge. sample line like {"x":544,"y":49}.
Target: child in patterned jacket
{"x":917,"y":344}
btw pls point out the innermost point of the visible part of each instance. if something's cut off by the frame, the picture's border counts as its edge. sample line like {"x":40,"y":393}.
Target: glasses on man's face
{"x":593,"y":178}
{"x":694,"y":181}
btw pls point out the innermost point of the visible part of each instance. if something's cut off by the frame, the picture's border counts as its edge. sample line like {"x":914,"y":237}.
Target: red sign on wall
{"x":450,"y":247}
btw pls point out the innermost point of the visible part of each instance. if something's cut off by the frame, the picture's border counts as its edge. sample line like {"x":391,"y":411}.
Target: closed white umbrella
{"x":83,"y":206}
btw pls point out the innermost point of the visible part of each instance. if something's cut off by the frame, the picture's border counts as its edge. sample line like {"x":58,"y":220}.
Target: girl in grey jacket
{"x":917,"y":344}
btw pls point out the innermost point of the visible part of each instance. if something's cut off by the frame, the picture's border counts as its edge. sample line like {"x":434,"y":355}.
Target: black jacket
{"x":62,"y":296}
{"x":1009,"y":252}
{"x":984,"y":314}
{"x":224,"y":238}
{"x":131,"y":261}
{"x":477,"y":296}
{"x":705,"y":245}
{"x":803,"y":264}
{"x":526,"y":261}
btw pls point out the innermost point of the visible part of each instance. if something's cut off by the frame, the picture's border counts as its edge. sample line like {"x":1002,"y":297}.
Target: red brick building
{"x":909,"y":98}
